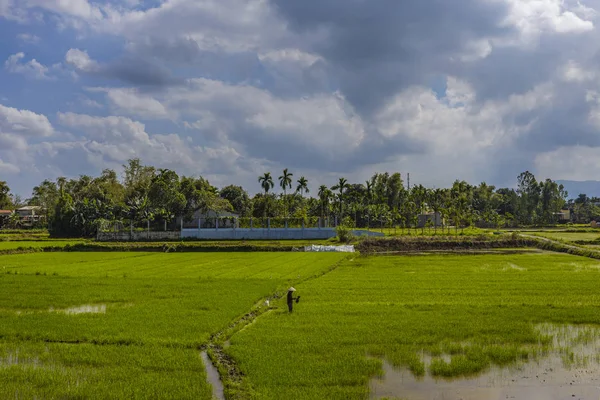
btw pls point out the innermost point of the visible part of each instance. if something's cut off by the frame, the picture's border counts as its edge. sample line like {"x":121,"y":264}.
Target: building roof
{"x":5,"y":212}
{"x":29,"y":208}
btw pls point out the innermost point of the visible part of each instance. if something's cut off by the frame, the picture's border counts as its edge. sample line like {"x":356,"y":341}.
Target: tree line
{"x":145,"y":194}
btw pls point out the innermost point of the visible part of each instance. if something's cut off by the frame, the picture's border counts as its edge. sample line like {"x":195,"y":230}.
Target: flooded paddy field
{"x":433,"y":327}
{"x":128,"y":325}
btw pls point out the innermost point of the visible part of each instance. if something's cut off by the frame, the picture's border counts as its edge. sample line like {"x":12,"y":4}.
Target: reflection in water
{"x":570,"y":371}
{"x":212,"y":376}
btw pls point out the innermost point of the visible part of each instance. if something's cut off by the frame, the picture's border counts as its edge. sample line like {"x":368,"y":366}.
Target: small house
{"x":564,"y":215}
{"x":30,"y":215}
{"x":29,"y":211}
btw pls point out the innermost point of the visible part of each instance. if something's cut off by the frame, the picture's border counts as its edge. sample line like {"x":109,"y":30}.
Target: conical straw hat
{"x":291,"y":289}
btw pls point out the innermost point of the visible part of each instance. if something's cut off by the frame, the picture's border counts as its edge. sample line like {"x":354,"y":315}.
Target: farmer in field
{"x":291,"y":298}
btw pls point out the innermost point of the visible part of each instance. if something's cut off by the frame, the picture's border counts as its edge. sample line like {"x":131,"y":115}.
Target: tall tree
{"x":285,"y":181}
{"x":324,"y":197}
{"x":198,"y":193}
{"x":165,"y":196}
{"x":137,"y":178}
{"x":302,"y":186}
{"x":5,"y":200}
{"x":529,"y":192}
{"x":238,"y":198}
{"x":341,"y":188}
{"x":45,"y":195}
{"x":266,"y":182}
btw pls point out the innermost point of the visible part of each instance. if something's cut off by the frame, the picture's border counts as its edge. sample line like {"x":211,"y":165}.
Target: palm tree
{"x":266,"y":182}
{"x":341,"y":186}
{"x":302,"y":186}
{"x":61,"y":182}
{"x":324,"y":196}
{"x":369,"y":198}
{"x":285,"y":181}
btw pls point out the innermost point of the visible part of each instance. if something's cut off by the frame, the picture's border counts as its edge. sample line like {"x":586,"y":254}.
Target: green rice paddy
{"x":479,"y":310}
{"x":64,"y":316}
{"x":131,"y":324}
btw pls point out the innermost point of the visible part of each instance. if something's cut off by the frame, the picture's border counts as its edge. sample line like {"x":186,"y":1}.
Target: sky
{"x":479,"y":90}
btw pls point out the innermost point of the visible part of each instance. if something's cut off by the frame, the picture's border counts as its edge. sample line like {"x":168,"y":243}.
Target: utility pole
{"x":408,"y":180}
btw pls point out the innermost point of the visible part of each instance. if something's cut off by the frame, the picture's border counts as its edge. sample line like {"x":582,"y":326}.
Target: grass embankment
{"x":476,"y":309}
{"x":427,"y":231}
{"x":127,"y":325}
{"x":575,"y":237}
{"x":447,"y":243}
{"x":57,"y":245}
{"x":22,"y":241}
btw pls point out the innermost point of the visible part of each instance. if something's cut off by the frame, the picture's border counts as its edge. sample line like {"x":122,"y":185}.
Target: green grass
{"x":157,"y":310}
{"x":569,"y":236}
{"x":16,"y":244}
{"x":470,"y":231}
{"x":56,"y":370}
{"x":479,"y":309}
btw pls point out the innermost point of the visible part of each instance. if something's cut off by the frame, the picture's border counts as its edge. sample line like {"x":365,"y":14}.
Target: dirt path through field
{"x":235,"y":385}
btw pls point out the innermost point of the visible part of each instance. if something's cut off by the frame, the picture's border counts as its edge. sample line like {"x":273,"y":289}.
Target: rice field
{"x":127,"y":325}
{"x":132,"y":324}
{"x":461,"y":314}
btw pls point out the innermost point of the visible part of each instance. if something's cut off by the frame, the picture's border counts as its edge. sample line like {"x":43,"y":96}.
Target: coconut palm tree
{"x":285,"y":181}
{"x":341,"y":186}
{"x":266,"y":182}
{"x":302,"y":186}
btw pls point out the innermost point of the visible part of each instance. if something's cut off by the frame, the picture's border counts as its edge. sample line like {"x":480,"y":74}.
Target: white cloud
{"x":5,"y":8}
{"x":91,"y":103}
{"x":115,"y":139}
{"x":74,"y":8}
{"x":533,"y":17}
{"x":573,"y":72}
{"x":24,"y":123}
{"x":570,"y":163}
{"x":131,"y":102}
{"x":289,"y":55}
{"x":6,"y":168}
{"x":81,"y":60}
{"x":31,"y":68}
{"x":28,"y":38}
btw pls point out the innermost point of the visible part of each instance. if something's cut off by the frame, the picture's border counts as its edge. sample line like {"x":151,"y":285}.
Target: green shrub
{"x":344,"y":230}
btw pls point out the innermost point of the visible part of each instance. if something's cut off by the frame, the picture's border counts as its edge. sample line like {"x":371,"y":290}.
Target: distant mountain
{"x":574,"y":188}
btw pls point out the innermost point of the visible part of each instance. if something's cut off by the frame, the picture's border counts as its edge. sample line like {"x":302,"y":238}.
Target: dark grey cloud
{"x":130,"y":70}
{"x":379,"y":48}
{"x":139,"y":72}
